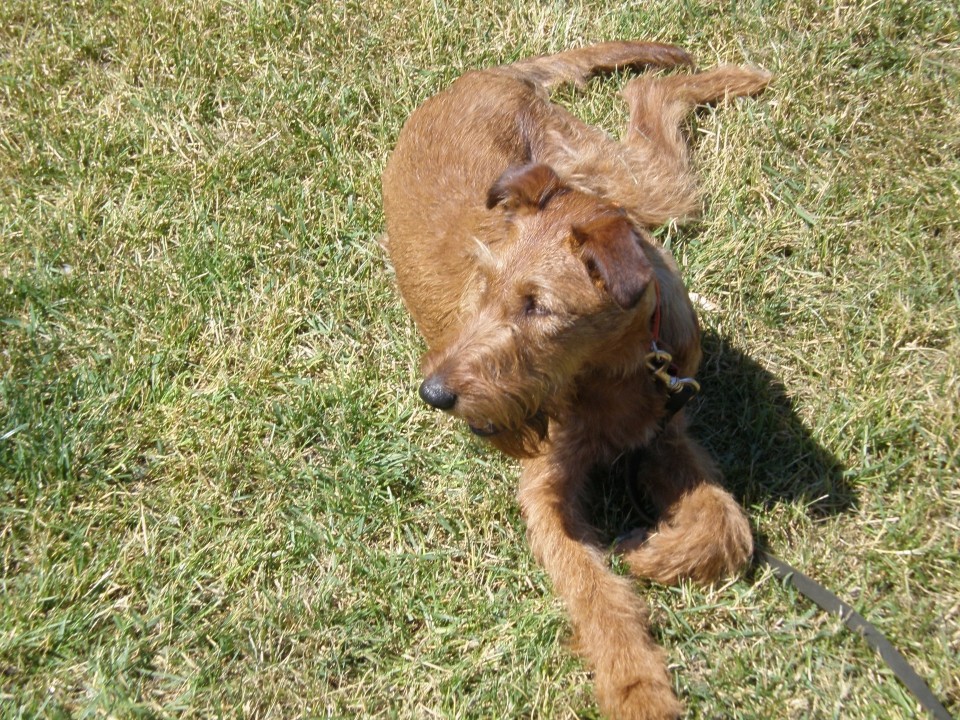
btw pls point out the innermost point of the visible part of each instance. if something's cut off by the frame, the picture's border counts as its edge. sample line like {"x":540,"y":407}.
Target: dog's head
{"x":563,"y":287}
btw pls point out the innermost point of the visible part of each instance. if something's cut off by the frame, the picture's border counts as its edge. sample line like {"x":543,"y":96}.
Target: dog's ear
{"x":611,"y":252}
{"x":524,"y":186}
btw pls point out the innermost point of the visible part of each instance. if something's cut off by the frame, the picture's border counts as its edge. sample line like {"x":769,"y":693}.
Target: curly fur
{"x":521,"y":240}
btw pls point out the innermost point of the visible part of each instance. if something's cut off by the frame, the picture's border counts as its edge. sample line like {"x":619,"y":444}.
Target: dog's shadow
{"x":746,"y":420}
{"x":766,"y":453}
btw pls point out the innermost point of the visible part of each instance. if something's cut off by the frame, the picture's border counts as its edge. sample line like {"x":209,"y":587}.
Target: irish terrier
{"x":559,"y":329}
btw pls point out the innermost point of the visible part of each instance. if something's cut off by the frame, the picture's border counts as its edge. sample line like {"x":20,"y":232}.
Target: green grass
{"x":220,"y":493}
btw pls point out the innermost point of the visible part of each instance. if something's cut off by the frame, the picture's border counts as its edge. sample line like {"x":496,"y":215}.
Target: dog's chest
{"x":614,"y":416}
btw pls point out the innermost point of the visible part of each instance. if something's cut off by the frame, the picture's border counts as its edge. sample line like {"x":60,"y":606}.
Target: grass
{"x":220,"y":494}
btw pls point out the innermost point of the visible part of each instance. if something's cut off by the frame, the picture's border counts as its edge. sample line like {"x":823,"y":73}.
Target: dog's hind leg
{"x":659,"y":104}
{"x":702,"y":534}
{"x":609,"y":620}
{"x":654,"y":144}
{"x":578,"y":65}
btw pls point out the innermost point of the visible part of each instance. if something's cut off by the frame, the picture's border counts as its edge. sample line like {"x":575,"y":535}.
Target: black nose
{"x":435,"y":394}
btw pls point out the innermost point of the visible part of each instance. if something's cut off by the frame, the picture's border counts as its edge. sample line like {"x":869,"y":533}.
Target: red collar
{"x":661,"y":366}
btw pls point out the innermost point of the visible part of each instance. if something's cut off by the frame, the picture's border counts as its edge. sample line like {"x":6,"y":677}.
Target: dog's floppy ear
{"x":524,"y":186}
{"x":611,"y":251}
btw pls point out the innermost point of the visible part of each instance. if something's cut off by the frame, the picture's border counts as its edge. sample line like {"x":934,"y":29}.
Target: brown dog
{"x":521,"y":242}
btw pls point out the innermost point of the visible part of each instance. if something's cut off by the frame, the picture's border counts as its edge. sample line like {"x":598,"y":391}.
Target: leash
{"x":830,"y":603}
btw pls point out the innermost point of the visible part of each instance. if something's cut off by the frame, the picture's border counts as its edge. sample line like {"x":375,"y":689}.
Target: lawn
{"x":219,"y":493}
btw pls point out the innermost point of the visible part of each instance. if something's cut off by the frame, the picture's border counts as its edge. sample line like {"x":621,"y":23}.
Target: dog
{"x":559,"y":329}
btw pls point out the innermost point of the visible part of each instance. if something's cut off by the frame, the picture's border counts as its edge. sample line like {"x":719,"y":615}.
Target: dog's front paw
{"x":630,"y":674}
{"x":706,"y":539}
{"x":669,"y":556}
{"x":637,"y":698}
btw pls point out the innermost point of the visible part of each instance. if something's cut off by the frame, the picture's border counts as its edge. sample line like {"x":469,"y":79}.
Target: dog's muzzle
{"x":435,"y":393}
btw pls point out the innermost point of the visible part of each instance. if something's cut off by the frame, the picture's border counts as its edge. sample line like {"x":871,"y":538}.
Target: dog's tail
{"x":576,"y":66}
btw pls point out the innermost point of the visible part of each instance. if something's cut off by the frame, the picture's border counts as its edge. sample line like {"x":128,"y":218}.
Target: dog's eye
{"x":532,"y":307}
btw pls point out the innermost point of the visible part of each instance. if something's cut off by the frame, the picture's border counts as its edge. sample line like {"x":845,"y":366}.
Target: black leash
{"x":830,"y":603}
